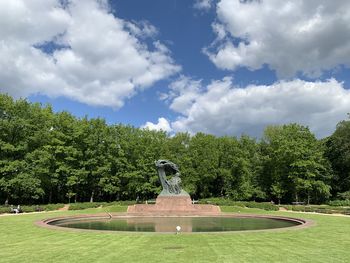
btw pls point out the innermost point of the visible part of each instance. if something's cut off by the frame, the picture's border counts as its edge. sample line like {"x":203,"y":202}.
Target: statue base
{"x":173,"y":205}
{"x":181,"y":194}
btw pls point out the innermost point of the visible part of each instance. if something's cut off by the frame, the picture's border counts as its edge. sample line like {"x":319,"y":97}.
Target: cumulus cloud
{"x":162,"y":125}
{"x":203,"y":4}
{"x":77,"y":49}
{"x":222,"y":108}
{"x":183,"y":92}
{"x":289,"y":36}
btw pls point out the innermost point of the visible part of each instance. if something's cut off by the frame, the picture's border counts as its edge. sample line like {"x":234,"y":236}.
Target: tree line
{"x":48,"y":157}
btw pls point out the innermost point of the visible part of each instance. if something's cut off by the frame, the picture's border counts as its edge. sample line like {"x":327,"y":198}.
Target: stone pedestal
{"x":173,"y":205}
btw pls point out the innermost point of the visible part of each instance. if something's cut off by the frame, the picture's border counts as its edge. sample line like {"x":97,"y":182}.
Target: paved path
{"x":312,"y":213}
{"x":64,"y":208}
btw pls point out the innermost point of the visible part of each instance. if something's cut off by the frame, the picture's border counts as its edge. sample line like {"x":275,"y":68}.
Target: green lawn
{"x":22,"y":241}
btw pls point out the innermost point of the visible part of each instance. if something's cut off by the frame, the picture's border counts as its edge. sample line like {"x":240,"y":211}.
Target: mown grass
{"x":22,"y":241}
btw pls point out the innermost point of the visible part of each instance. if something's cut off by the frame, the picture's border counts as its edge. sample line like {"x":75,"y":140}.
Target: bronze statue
{"x":171,"y":186}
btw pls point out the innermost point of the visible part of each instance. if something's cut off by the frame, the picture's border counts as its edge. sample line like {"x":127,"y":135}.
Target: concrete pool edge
{"x":45,"y":223}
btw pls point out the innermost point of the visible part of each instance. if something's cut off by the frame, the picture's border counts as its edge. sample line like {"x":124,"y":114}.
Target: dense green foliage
{"x":48,"y":157}
{"x":324,"y":209}
{"x":80,"y":206}
{"x":227,"y":202}
{"x":295,"y":165}
{"x":340,"y":202}
{"x":31,"y":208}
{"x":338,"y":152}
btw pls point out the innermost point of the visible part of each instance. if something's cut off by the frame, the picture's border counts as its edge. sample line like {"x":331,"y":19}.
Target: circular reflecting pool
{"x":169,"y":224}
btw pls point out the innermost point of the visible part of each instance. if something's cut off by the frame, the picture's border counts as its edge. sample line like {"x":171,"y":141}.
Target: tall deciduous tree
{"x":295,"y":164}
{"x":338,"y":152}
{"x":202,"y":176}
{"x":54,"y":157}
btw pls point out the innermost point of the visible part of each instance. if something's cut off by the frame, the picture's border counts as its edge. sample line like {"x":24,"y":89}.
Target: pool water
{"x":169,"y":224}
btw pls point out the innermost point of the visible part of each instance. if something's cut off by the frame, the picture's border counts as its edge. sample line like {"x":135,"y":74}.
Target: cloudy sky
{"x":224,"y":67}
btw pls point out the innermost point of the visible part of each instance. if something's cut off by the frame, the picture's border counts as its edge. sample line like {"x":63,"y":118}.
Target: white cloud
{"x":162,"y":125}
{"x":183,"y":93}
{"x":203,"y":4}
{"x":224,"y":109}
{"x":142,"y":29}
{"x":101,"y":59}
{"x":288,"y":36}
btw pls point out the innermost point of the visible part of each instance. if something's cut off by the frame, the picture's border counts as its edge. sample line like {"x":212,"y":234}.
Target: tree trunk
{"x":92,"y":197}
{"x":75,"y":198}
{"x":50,"y":196}
{"x":308,"y":198}
{"x":7,"y":200}
{"x":279,"y":201}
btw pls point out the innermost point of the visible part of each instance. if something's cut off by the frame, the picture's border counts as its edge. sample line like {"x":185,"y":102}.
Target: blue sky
{"x":224,"y":67}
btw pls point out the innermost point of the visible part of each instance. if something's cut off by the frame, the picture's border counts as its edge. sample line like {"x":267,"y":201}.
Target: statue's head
{"x":167,"y":165}
{"x":161,"y":163}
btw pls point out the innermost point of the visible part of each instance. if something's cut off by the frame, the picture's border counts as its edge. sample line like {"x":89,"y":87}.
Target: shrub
{"x":80,"y":206}
{"x":340,"y":203}
{"x":218,"y":201}
{"x":28,"y":208}
{"x":228,"y":202}
{"x":324,"y":209}
{"x":266,"y":206}
{"x":31,"y":208}
{"x":51,"y":207}
{"x":344,"y":195}
{"x":4,"y":209}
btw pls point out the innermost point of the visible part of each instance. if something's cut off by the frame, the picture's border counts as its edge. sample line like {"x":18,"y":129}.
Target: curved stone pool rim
{"x":302,"y":223}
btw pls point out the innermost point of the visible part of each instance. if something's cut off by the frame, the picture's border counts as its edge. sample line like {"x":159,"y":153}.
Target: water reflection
{"x":168,"y":224}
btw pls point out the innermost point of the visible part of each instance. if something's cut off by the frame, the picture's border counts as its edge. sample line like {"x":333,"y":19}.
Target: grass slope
{"x":22,"y":241}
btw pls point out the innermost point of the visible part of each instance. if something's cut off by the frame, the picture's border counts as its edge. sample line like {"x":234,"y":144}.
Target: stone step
{"x":174,"y":205}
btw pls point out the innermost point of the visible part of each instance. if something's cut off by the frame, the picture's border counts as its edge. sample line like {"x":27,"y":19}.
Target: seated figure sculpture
{"x":170,"y":186}
{"x":172,"y":200}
